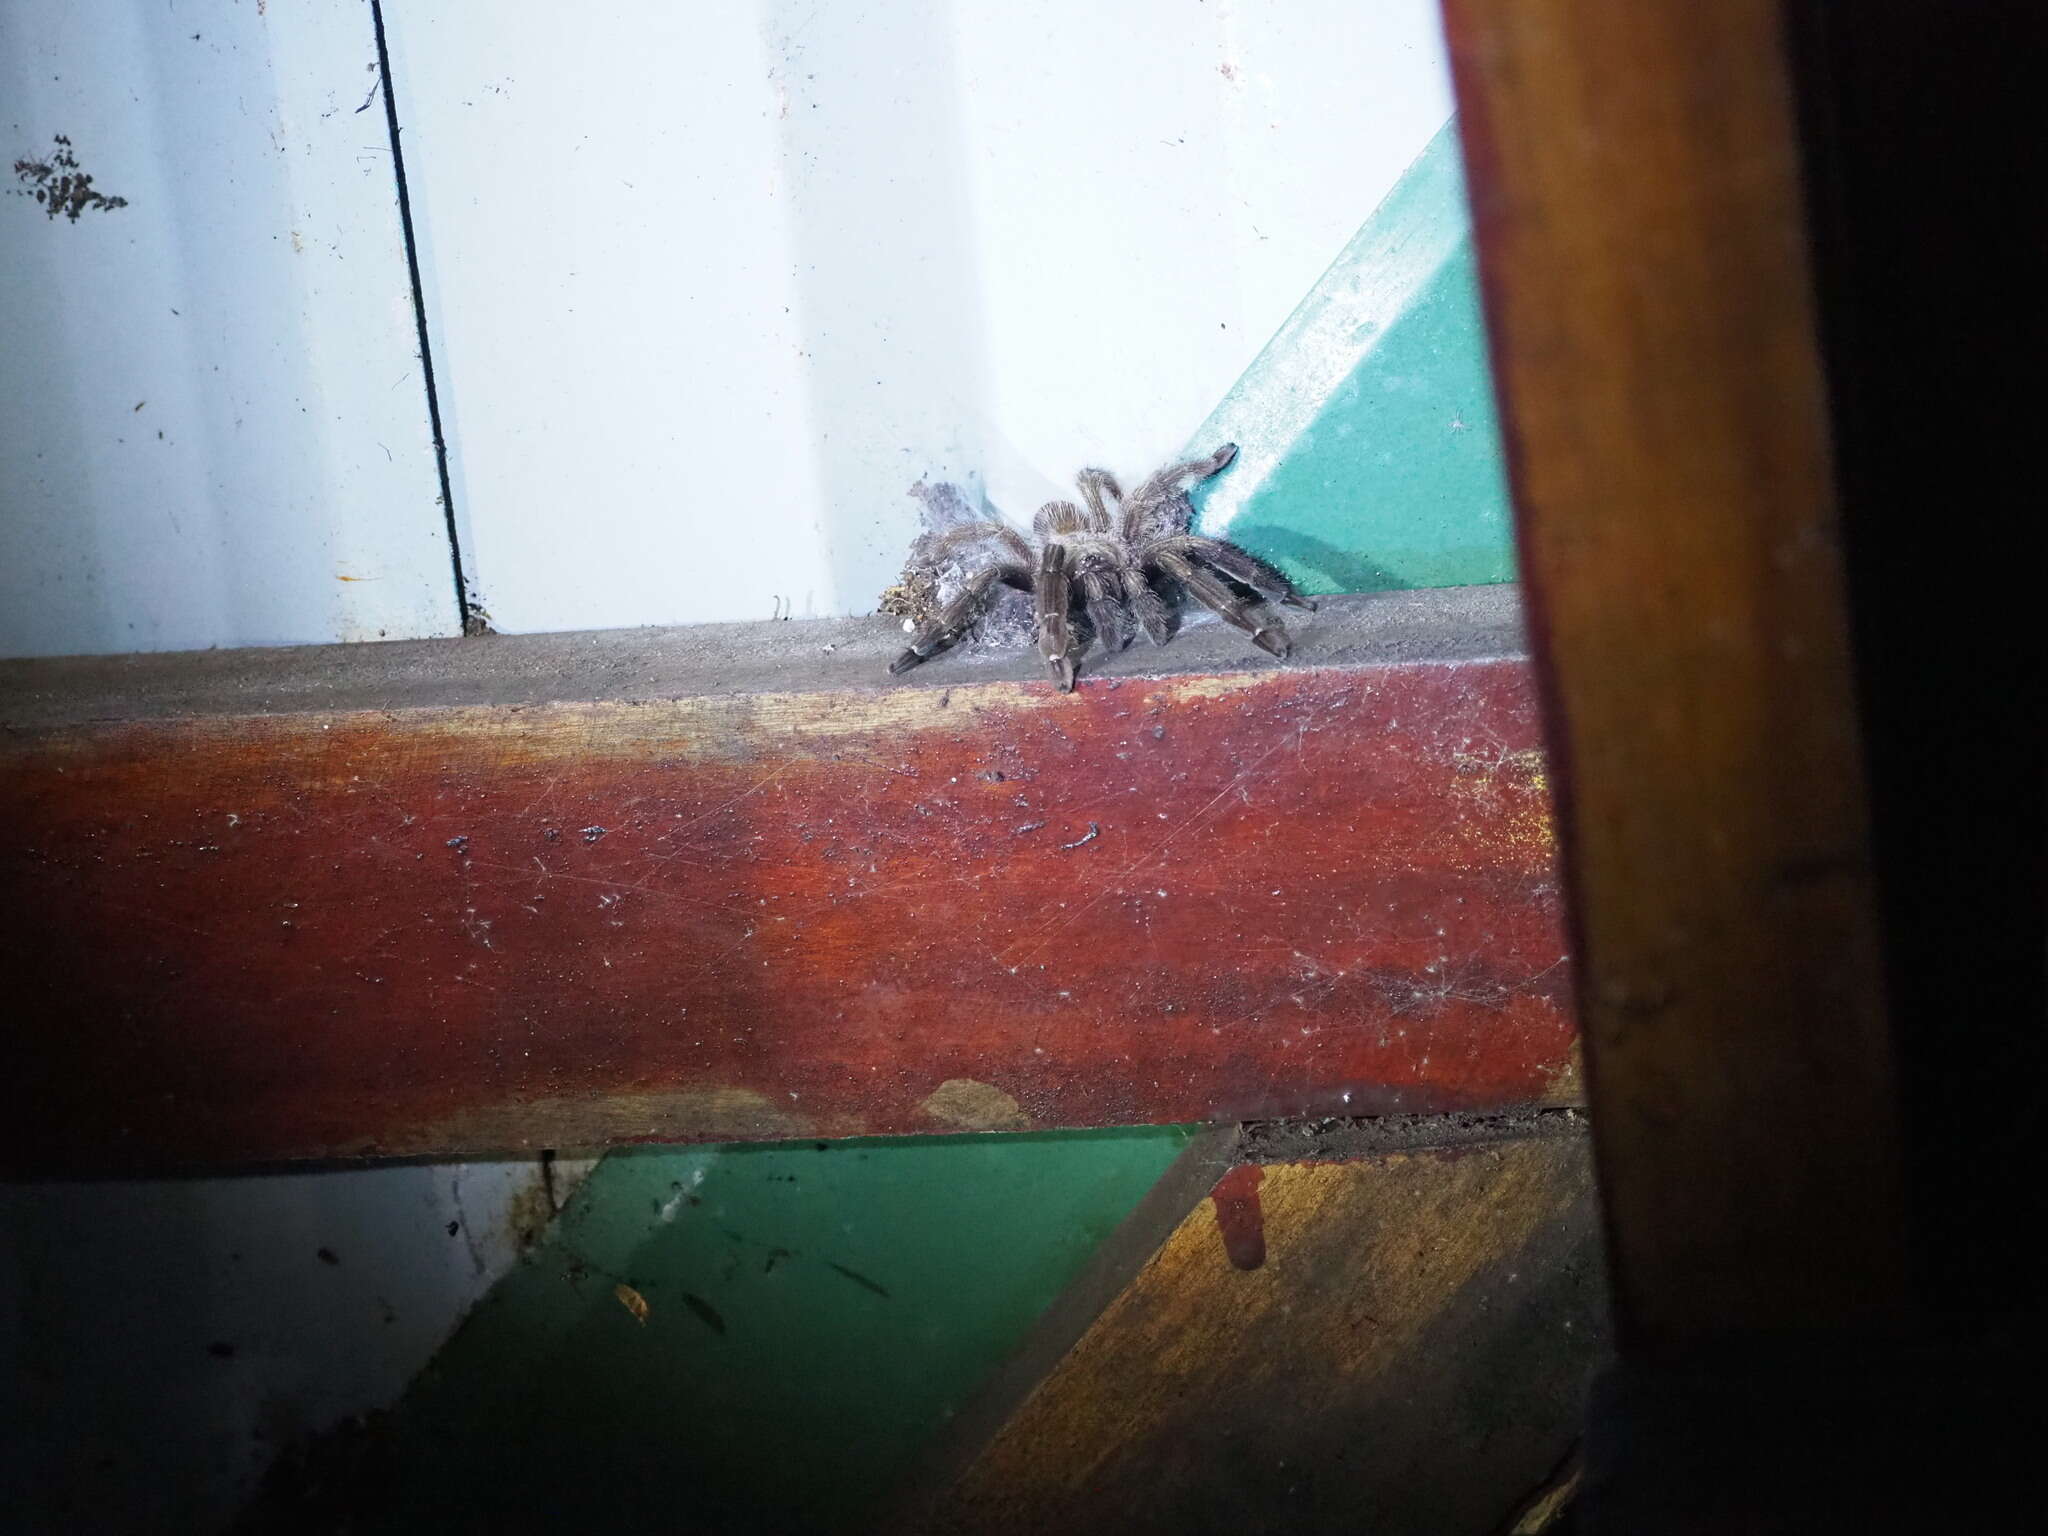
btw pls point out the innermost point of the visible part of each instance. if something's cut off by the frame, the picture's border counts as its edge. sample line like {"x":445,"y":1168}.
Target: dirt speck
{"x":61,"y":185}
{"x":705,"y":1312}
{"x":859,"y":1279}
{"x":632,"y":1301}
{"x":529,"y":1212}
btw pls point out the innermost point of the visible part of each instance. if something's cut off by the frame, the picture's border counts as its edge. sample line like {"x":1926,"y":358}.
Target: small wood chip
{"x":632,"y":1301}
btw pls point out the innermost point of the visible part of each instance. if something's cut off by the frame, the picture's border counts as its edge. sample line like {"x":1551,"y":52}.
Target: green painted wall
{"x":814,"y":1313}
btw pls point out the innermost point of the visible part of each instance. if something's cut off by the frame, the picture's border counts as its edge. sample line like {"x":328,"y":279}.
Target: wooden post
{"x":1636,"y":180}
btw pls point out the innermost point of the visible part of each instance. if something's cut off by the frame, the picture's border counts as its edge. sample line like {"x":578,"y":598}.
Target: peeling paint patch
{"x":1568,"y":1083}
{"x":968,"y":1105}
{"x":61,"y":185}
{"x":1240,"y":1220}
{"x":697,"y":1114}
{"x":1206,"y":686}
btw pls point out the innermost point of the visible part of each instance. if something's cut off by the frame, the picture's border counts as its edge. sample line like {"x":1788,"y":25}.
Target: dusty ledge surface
{"x":1449,"y":624}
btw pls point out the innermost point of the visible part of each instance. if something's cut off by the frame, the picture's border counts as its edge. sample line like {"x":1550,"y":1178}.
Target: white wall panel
{"x":714,"y":284}
{"x":164,"y":1340}
{"x":212,"y":418}
{"x":213,"y":431}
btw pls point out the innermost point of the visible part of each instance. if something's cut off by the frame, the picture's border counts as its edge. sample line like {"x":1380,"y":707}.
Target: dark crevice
{"x":1346,"y":1138}
{"x":1924,"y":291}
{"x":465,"y":618}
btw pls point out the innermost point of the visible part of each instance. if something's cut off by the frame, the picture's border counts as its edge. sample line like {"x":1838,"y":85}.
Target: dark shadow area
{"x":1935,"y":396}
{"x":1344,"y":570}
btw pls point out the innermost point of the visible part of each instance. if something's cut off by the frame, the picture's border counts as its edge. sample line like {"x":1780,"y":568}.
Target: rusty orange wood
{"x":577,"y":890}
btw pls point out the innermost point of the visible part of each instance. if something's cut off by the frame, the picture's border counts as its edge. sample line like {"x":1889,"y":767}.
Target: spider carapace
{"x":1123,"y":557}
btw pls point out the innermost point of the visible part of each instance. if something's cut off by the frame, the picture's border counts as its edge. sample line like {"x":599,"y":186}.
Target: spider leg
{"x":1056,"y":517}
{"x":1103,"y":495}
{"x":1146,"y":603}
{"x":1101,"y":591}
{"x":1174,"y":476}
{"x":1055,"y":596}
{"x":1160,"y":492}
{"x":957,"y":617}
{"x":1239,"y":565}
{"x":1216,"y":596}
{"x":1011,"y":540}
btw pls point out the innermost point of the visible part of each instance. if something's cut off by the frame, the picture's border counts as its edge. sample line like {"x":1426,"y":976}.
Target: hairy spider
{"x":1118,"y":554}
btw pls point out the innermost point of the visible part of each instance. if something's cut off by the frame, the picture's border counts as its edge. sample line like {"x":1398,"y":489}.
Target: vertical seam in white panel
{"x":465,"y":612}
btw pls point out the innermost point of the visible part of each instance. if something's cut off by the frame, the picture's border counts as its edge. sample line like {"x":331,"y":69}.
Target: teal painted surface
{"x":1397,"y":482}
{"x":815,"y":1312}
{"x":1370,"y":455}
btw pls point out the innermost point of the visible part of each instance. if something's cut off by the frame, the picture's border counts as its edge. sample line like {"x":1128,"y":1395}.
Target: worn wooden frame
{"x":1644,"y":235}
{"x":729,"y":881}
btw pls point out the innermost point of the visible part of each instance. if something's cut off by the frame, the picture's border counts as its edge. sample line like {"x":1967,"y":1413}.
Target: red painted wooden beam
{"x":730,"y":882}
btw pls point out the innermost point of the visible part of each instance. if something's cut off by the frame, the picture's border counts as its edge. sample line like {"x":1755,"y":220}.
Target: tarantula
{"x":1118,"y":552}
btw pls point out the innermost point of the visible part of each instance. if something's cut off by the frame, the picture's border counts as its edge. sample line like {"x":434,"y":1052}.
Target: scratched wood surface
{"x":251,"y":930}
{"x":1395,"y":1344}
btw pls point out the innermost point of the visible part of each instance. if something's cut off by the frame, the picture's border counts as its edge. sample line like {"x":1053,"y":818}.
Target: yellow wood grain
{"x":1384,"y":1357}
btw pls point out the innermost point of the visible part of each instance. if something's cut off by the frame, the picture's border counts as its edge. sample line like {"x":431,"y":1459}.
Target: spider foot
{"x":905,"y":662}
{"x":1062,"y":672}
{"x":1273,"y":641}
